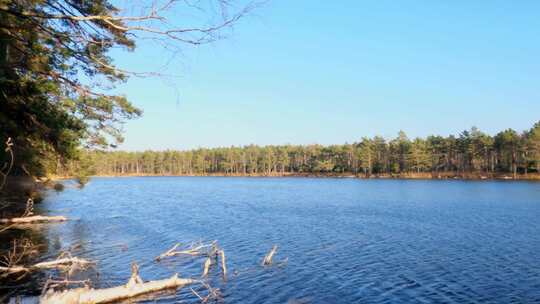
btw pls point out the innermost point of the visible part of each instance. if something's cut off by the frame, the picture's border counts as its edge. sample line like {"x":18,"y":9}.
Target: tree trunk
{"x":514,"y":164}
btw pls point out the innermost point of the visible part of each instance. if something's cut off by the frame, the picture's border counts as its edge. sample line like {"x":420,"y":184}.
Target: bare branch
{"x":194,"y":250}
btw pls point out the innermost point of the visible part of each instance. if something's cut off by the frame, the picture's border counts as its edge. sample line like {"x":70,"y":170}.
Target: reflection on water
{"x":346,"y":240}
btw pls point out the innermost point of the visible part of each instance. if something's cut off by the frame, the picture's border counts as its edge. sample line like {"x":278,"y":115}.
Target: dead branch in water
{"x":64,"y":262}
{"x":136,"y":286}
{"x":215,"y":253}
{"x":194,"y":250}
{"x":213,"y":293}
{"x":33,"y":219}
{"x":51,"y":283}
{"x":223,"y":264}
{"x":22,"y":249}
{"x":7,"y":227}
{"x":206,"y":266}
{"x":211,"y":251}
{"x":86,"y":295}
{"x":268,"y":258}
{"x":198,"y":295}
{"x":135,"y":278}
{"x":28,"y":216}
{"x":168,"y":253}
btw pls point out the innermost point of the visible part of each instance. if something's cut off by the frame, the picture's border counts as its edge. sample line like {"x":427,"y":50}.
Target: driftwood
{"x":268,"y":258}
{"x":136,"y":286}
{"x":211,"y":251}
{"x":168,"y":253}
{"x":194,"y":250}
{"x":52,"y":283}
{"x":85,"y":295}
{"x":59,"y":263}
{"x":22,"y":249}
{"x":62,"y":262}
{"x":28,"y":216}
{"x":33,"y":219}
{"x":206,"y":266}
{"x":215,"y":253}
{"x":135,"y":278}
{"x":223,"y":263}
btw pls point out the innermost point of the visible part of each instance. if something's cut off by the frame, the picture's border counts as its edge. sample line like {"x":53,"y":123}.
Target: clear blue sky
{"x":332,"y":72}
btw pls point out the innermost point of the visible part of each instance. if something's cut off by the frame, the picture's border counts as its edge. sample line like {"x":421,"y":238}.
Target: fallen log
{"x":85,"y":295}
{"x":33,"y":219}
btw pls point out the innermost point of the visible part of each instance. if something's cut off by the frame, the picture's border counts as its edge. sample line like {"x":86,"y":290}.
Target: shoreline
{"x":409,"y":176}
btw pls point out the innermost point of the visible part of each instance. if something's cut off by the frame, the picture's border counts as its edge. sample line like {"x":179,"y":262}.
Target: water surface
{"x":346,"y":240}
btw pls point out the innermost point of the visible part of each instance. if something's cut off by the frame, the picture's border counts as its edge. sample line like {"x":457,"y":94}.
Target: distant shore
{"x":425,"y":176}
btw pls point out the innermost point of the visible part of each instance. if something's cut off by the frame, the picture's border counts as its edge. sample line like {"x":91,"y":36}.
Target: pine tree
{"x":533,"y":145}
{"x":55,"y":70}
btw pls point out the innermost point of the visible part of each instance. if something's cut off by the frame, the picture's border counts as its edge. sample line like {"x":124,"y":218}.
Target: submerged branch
{"x":206,"y":267}
{"x":194,"y":250}
{"x":223,"y":264}
{"x":268,"y":258}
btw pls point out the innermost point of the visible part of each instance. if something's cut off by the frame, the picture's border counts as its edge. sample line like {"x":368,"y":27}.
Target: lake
{"x":340,"y":240}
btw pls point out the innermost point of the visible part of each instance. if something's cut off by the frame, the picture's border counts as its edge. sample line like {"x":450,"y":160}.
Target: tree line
{"x":471,"y":152}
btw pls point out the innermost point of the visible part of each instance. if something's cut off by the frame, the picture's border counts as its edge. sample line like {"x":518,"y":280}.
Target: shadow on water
{"x":28,"y":284}
{"x":27,"y":244}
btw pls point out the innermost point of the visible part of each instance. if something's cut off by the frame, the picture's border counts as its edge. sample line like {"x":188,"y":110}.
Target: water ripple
{"x":347,"y":241}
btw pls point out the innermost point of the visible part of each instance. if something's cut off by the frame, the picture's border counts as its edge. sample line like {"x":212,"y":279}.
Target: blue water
{"x":344,"y":240}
